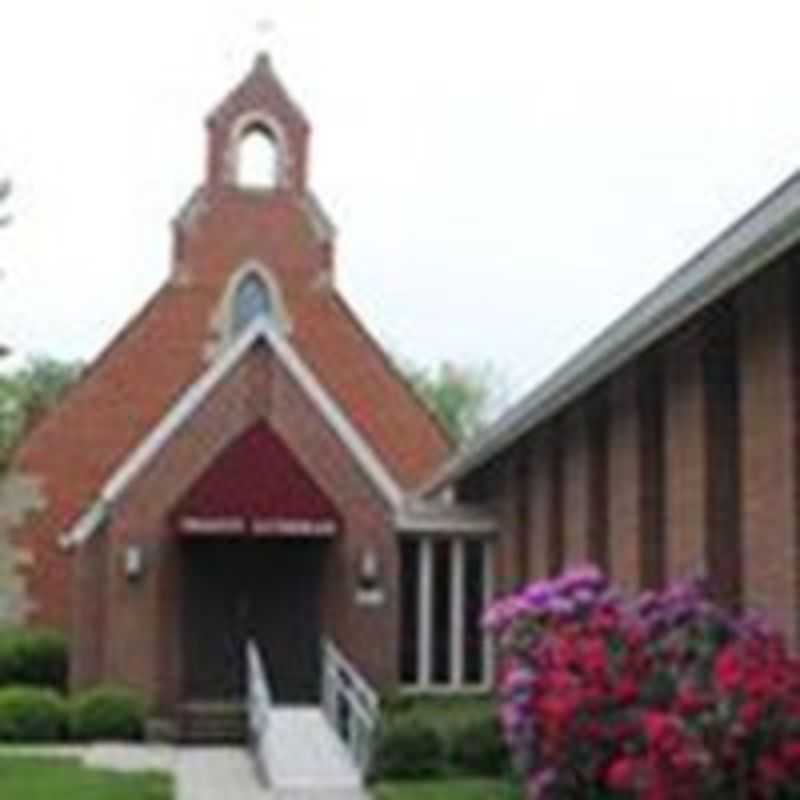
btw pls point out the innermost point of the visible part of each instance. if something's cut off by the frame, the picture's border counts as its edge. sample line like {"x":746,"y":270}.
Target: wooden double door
{"x":264,"y":590}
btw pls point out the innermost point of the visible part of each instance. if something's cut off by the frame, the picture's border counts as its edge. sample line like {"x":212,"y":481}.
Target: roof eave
{"x":753,"y":242}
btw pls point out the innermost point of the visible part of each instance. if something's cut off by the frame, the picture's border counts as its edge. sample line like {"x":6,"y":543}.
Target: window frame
{"x":423,"y":606}
{"x":246,"y":308}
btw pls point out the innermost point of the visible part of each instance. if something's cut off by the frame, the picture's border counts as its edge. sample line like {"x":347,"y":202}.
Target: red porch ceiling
{"x":256,"y":487}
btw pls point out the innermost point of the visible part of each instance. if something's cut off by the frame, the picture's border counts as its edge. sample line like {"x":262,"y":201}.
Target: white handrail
{"x":350,"y":704}
{"x":259,"y":709}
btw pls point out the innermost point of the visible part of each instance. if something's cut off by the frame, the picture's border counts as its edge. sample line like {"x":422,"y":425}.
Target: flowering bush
{"x":661,"y":697}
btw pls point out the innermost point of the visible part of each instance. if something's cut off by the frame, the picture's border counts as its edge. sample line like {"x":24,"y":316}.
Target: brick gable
{"x":166,"y":347}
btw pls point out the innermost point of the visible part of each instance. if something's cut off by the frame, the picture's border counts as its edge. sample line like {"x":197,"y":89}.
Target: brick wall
{"x":769,"y":400}
{"x":686,"y":509}
{"x":690,"y":451}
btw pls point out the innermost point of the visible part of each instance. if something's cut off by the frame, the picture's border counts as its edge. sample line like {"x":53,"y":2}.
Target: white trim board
{"x":140,"y":457}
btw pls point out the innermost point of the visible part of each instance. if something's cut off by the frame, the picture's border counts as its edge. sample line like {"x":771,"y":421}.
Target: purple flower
{"x":587,"y":577}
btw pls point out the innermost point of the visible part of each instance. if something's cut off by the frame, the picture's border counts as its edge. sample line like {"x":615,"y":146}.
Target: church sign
{"x":256,"y":487}
{"x":259,"y":526}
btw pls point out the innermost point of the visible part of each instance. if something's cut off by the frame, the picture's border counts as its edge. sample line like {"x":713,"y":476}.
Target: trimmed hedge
{"x":107,"y":713}
{"x":429,"y":737}
{"x":477,"y":747}
{"x":33,"y":658}
{"x":32,"y":715}
{"x":408,"y":747}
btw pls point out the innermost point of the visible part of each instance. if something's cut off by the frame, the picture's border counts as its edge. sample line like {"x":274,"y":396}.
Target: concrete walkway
{"x":201,"y":773}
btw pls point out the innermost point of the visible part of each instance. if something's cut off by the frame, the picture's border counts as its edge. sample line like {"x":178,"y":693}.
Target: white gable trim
{"x":139,"y":458}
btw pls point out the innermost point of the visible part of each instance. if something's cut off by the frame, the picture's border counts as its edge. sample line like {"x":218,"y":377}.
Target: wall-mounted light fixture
{"x":369,"y":588}
{"x":134,"y":562}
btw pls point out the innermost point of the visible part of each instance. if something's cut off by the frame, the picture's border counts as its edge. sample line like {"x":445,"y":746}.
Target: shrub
{"x":665,"y":696}
{"x":477,"y":747}
{"x":469,"y":735}
{"x":32,"y":715}
{"x":33,"y":658}
{"x":107,"y":713}
{"x":408,"y":747}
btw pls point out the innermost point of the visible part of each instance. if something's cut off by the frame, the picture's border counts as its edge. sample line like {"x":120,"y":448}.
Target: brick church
{"x":236,"y":465}
{"x":243,"y":462}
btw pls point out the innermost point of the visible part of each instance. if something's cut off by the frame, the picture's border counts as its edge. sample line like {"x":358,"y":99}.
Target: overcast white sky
{"x":507,"y":177}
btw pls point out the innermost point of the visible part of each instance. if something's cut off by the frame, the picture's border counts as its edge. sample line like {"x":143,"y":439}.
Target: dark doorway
{"x":267,"y":590}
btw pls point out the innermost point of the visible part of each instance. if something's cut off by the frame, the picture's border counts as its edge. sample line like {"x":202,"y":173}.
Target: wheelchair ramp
{"x":305,"y":753}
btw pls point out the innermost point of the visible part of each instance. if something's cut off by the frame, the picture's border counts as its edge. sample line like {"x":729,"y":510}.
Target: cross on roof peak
{"x":263,"y":30}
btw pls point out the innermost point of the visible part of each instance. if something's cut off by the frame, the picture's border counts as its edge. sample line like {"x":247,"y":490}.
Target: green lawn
{"x":456,"y":789}
{"x":35,"y":778}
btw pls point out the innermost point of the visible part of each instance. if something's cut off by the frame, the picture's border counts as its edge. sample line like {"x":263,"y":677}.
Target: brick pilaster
{"x":577,"y":495}
{"x":769,"y":441}
{"x":686,"y":507}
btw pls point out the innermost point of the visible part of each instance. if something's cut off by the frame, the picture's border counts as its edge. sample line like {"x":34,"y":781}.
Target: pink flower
{"x":623,"y":773}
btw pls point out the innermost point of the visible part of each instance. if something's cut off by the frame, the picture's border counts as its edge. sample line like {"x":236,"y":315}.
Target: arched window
{"x":252,"y":300}
{"x":258,"y":161}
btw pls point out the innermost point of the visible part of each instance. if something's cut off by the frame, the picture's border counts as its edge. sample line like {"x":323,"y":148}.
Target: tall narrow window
{"x":555,"y":535}
{"x":409,"y":599}
{"x":723,"y":542}
{"x":598,"y":479}
{"x":474,"y":600}
{"x":445,"y":586}
{"x":442,"y":611}
{"x":252,"y":300}
{"x":522,"y":493}
{"x":653,"y":467}
{"x":258,"y":159}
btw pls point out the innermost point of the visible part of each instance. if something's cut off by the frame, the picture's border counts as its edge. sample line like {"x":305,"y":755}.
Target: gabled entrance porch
{"x":254,"y":532}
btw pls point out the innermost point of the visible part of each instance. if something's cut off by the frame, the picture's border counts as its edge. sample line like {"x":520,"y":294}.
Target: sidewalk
{"x":201,"y":773}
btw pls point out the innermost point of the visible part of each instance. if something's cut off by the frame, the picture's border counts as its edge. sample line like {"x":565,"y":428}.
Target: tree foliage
{"x":27,"y":393}
{"x":461,"y":397}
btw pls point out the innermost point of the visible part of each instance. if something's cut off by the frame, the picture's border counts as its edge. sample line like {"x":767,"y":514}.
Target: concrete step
{"x":213,"y":723}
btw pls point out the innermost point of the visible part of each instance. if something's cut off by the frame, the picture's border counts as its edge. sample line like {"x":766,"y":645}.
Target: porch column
{"x":425,"y":612}
{"x":457,"y":563}
{"x":769,"y":445}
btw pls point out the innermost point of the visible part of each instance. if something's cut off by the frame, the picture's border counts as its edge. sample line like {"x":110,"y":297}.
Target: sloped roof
{"x":747,"y":246}
{"x":185,"y":406}
{"x":124,"y":394}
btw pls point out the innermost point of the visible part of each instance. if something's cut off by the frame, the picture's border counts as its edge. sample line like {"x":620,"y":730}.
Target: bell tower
{"x":254,"y":204}
{"x":258,"y":118}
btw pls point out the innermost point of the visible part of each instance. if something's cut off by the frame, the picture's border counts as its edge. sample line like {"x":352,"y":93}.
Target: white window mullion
{"x":425,"y":626}
{"x":457,"y":560}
